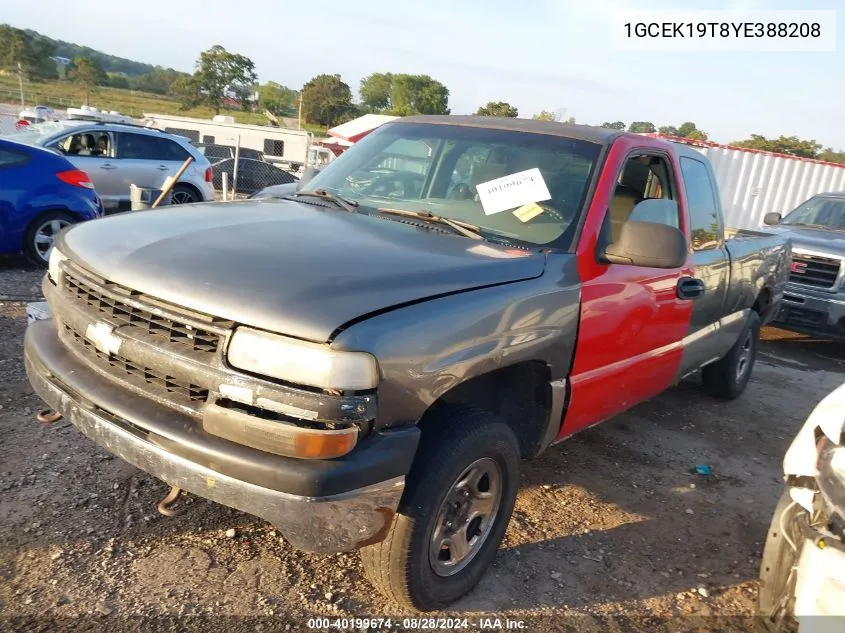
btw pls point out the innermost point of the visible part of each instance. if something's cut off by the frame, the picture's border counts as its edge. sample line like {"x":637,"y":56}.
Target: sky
{"x":556,"y":55}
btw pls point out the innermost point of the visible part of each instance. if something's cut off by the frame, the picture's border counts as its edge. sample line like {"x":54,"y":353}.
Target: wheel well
{"x":520,"y":394}
{"x":187,"y":185}
{"x":763,"y":302}
{"x":74,"y":216}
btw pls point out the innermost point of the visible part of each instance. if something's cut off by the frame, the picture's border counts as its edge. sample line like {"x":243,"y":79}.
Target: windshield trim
{"x":598,"y":169}
{"x":568,"y":239}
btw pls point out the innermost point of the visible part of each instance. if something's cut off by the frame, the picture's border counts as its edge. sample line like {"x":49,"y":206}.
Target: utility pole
{"x":299,"y":123}
{"x":20,"y":83}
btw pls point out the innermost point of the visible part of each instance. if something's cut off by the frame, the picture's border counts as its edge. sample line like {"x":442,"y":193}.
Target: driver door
{"x":632,"y":322}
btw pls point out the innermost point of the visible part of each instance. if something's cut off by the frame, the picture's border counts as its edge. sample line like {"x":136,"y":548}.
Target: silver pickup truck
{"x":814,"y":301}
{"x":365,"y":361}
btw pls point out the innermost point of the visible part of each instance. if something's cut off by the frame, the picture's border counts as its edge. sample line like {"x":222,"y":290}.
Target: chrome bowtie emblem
{"x":103,"y":337}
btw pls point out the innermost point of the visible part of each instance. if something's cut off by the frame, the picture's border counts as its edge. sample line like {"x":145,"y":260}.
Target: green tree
{"x":276,"y":98}
{"x":33,"y":54}
{"x":375,"y":91}
{"x":642,"y":127}
{"x":218,"y":72}
{"x":187,"y":91}
{"x":783,"y":145}
{"x":87,"y":74}
{"x":498,"y":108}
{"x":615,"y":125}
{"x":546,"y":115}
{"x":403,"y":94}
{"x":158,"y":81}
{"x":832,"y":156}
{"x":326,"y":99}
{"x":669,"y":130}
{"x":116,"y":80}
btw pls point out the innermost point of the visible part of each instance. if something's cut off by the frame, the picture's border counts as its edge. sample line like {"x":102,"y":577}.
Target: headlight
{"x":56,"y":258}
{"x":831,"y":475}
{"x":300,"y":362}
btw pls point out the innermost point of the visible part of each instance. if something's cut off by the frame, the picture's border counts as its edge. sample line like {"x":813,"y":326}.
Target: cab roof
{"x":599,"y":135}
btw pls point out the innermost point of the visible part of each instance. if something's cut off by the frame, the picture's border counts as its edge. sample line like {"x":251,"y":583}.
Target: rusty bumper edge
{"x":329,"y":524}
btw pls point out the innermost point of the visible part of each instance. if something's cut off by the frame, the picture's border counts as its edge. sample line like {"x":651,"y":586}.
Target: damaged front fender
{"x":800,"y":463}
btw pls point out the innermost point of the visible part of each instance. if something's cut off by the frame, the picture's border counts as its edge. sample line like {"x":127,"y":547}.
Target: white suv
{"x":116,"y":155}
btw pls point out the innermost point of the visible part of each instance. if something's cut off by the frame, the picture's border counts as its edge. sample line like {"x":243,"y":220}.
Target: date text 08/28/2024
{"x":415,"y":624}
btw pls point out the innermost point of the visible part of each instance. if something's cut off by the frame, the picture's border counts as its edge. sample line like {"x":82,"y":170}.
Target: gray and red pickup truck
{"x":365,"y":361}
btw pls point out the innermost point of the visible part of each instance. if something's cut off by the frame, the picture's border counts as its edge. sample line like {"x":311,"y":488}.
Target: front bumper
{"x":802,"y":574}
{"x":812,"y":313}
{"x":318,"y":505}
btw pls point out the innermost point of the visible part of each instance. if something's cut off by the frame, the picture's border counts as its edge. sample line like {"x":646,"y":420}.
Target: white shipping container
{"x":753,"y":183}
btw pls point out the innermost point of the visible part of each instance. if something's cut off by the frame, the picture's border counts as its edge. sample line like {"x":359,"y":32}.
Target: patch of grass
{"x":65,"y":94}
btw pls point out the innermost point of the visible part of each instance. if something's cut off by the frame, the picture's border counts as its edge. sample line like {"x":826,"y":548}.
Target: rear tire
{"x":184,"y":194}
{"x":40,"y":234}
{"x":727,"y":378}
{"x":441,"y":541}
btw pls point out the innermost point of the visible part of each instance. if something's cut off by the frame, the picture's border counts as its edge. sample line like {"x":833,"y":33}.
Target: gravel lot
{"x":610,"y":524}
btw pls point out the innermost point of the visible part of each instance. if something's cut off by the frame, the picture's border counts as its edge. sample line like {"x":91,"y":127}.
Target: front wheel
{"x":457,"y":503}
{"x":183,"y":194}
{"x":41,"y":233}
{"x":728,"y":377}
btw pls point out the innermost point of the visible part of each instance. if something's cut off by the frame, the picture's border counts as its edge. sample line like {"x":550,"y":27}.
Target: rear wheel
{"x":41,"y":233}
{"x":458,"y":500}
{"x":184,"y":194}
{"x":728,"y":377}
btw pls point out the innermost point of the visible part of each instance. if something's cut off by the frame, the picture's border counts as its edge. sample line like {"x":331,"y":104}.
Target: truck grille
{"x":815,"y":271}
{"x":121,"y":313}
{"x":136,"y":374}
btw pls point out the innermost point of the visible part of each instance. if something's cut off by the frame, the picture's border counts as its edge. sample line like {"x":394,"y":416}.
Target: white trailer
{"x":753,"y":183}
{"x":285,"y":147}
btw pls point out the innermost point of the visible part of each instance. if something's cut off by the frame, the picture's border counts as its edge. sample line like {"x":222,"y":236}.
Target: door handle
{"x":163,"y":168}
{"x":108,"y":166}
{"x":690,"y":288}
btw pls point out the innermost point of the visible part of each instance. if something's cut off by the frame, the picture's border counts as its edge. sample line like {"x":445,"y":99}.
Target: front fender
{"x":427,"y":349}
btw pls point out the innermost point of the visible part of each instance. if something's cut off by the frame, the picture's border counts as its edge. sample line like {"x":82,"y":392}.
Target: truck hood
{"x":288,"y":267}
{"x":831,"y":242}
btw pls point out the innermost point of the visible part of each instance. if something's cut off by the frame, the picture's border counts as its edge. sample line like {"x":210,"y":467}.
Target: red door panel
{"x":632,"y":325}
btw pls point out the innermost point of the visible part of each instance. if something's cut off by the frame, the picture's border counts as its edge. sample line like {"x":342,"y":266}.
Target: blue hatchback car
{"x":41,"y":193}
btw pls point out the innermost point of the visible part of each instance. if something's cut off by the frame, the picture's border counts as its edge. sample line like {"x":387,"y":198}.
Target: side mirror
{"x":647,"y":244}
{"x":772,"y":219}
{"x":307,"y":176}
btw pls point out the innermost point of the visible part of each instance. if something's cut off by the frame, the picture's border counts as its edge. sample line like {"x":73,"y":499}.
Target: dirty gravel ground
{"x":610,"y":523}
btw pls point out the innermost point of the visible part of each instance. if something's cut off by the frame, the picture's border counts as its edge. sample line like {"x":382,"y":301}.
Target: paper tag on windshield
{"x":528,"y":211}
{"x":512,"y":191}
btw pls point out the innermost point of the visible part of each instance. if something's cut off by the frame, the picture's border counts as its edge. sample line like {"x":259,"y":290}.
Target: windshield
{"x":34,"y":134}
{"x":822,"y":212}
{"x":520,"y":186}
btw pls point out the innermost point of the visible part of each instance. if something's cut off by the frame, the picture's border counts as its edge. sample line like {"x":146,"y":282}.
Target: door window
{"x":12,"y":158}
{"x":644,"y":177}
{"x":701,"y":201}
{"x":149,"y":147}
{"x":87,"y":144}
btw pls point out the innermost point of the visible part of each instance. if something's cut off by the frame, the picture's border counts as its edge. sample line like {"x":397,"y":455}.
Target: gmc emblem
{"x":798,"y":267}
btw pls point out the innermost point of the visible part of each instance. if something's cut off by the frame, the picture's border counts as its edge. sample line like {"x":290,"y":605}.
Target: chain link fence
{"x":241,"y":171}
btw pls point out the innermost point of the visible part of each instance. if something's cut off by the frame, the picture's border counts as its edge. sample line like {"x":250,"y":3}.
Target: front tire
{"x":41,"y":233}
{"x":727,"y":378}
{"x":457,"y":503}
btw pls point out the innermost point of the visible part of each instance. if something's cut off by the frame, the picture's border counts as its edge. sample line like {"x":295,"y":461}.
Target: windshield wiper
{"x":464,"y":228}
{"x":322,"y":194}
